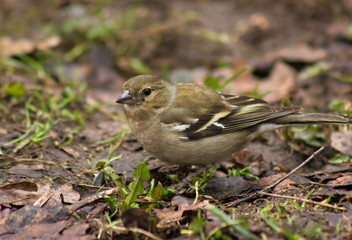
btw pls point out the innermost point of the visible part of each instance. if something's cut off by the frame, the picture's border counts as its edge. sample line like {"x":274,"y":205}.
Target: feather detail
{"x":180,"y":127}
{"x":218,"y":125}
{"x":214,"y":119}
{"x":233,"y":114}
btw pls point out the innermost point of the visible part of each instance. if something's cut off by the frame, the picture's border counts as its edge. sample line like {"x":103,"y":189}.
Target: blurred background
{"x":282,"y":46}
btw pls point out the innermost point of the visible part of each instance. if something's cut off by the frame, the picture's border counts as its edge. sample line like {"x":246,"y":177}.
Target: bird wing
{"x":232,"y":114}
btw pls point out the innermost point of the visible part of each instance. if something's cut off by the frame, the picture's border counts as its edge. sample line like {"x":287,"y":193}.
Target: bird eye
{"x":147,"y":91}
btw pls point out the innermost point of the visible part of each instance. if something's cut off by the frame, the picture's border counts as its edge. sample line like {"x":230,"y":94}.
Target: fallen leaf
{"x":19,"y":193}
{"x":342,"y":181}
{"x":69,"y":195}
{"x":181,"y":202}
{"x":300,"y":53}
{"x":34,"y":171}
{"x":167,"y":215}
{"x":10,"y":47}
{"x":267,"y":181}
{"x":339,"y":29}
{"x":23,"y":185}
{"x":342,"y":142}
{"x":48,"y":43}
{"x":225,"y":188}
{"x":30,"y":215}
{"x":280,"y":83}
{"x":242,"y":84}
{"x":4,"y":214}
{"x":23,"y":193}
{"x":77,"y":231}
{"x":39,"y":231}
{"x":245,"y":157}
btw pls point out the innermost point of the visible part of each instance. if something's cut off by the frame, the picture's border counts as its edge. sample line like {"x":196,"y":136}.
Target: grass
{"x":45,"y":107}
{"x":215,"y":82}
{"x":242,"y":172}
{"x":42,"y":109}
{"x":135,"y":189}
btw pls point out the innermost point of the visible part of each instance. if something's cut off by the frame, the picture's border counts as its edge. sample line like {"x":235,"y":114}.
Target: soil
{"x":296,"y":53}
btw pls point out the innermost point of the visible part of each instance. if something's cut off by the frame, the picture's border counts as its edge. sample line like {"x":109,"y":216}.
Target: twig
{"x":93,"y":187}
{"x":272,"y":186}
{"x":305,"y":200}
{"x":38,"y":160}
{"x":328,"y":185}
{"x":44,"y":198}
{"x":197,"y":194}
{"x":92,"y":199}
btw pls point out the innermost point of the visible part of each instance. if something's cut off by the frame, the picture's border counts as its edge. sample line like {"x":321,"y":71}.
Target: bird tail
{"x":312,"y":119}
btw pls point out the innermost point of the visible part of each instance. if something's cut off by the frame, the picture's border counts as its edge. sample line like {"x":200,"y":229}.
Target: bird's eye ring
{"x":147,"y":91}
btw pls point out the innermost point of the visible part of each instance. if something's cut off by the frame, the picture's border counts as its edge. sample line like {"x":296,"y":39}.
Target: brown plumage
{"x":193,"y":124}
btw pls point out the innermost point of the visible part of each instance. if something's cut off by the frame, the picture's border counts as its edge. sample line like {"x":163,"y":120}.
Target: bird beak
{"x":126,"y":98}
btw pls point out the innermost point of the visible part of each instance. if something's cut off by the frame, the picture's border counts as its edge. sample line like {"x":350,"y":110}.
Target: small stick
{"x":44,"y":198}
{"x":197,"y":194}
{"x":92,"y":199}
{"x":306,"y":200}
{"x":272,"y":186}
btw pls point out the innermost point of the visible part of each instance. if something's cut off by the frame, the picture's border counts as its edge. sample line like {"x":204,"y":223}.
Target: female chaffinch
{"x":188,"y":124}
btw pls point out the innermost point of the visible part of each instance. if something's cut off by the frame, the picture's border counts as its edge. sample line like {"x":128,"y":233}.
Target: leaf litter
{"x":46,"y":176}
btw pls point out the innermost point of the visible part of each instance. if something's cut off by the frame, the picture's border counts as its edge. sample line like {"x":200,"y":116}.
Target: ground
{"x":71,"y":169}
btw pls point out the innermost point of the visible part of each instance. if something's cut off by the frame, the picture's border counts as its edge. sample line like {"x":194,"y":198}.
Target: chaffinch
{"x":188,"y":124}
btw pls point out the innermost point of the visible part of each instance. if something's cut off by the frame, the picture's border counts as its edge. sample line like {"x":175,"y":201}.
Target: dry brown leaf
{"x":339,"y":29}
{"x":245,"y":157}
{"x":342,"y":142}
{"x":345,"y":180}
{"x":34,"y":171}
{"x":167,"y":215}
{"x":10,"y":47}
{"x":300,"y":53}
{"x":39,"y":231}
{"x":77,"y":231}
{"x":280,"y":82}
{"x":243,"y":84}
{"x":267,"y":181}
{"x":4,"y":214}
{"x":23,"y":185}
{"x":278,"y":85}
{"x":68,"y":194}
{"x":48,"y":43}
{"x":22,"y":195}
